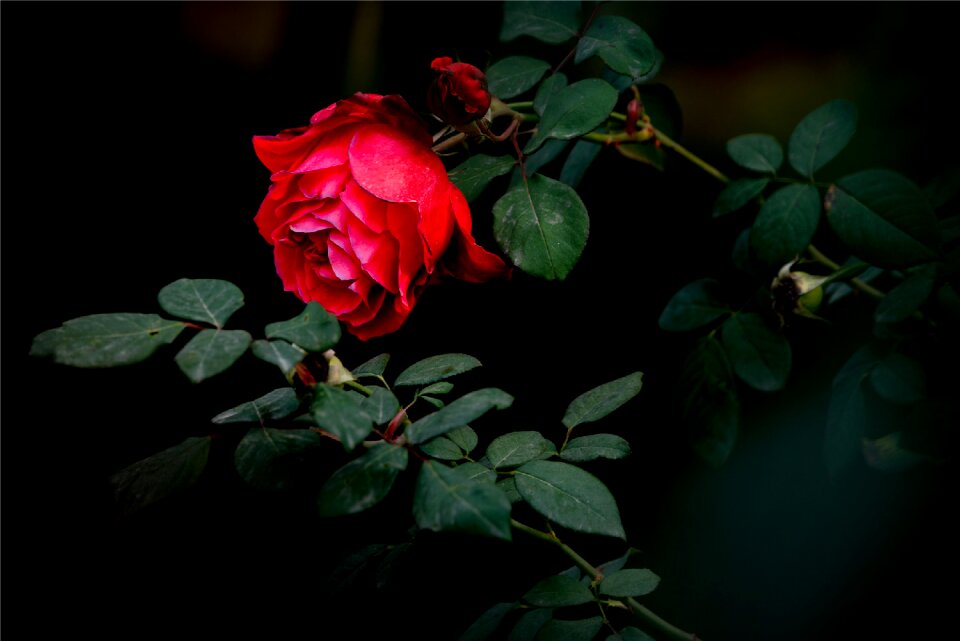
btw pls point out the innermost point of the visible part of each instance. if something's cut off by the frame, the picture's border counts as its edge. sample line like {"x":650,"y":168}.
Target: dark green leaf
{"x":436,"y":368}
{"x":487,"y":623}
{"x":314,"y":329}
{"x":551,"y":22}
{"x":943,"y":188}
{"x":846,"y":414}
{"x":509,"y":487}
{"x":757,"y":152}
{"x":436,"y":402}
{"x":211,"y":352}
{"x":280,"y":353}
{"x":603,"y":399}
{"x":442,"y":387}
{"x":550,"y":150}
{"x":786,"y":224}
{"x":342,"y":414}
{"x":630,"y":633}
{"x":374,"y":367}
{"x":517,"y":448}
{"x":45,"y":343}
{"x":515,"y":74}
{"x":594,"y":446}
{"x":363,"y":482}
{"x":821,"y":135}
{"x":547,"y":91}
{"x":899,"y":379}
{"x":381,"y":405}
{"x":477,"y":472}
{"x":581,"y":157}
{"x":458,"y":414}
{"x":906,"y":298}
{"x":268,"y":458}
{"x":569,"y":496}
{"x":442,"y":448}
{"x":616,"y":564}
{"x":558,"y":591}
{"x":542,"y":225}
{"x":351,"y":573}
{"x":446,"y":499}
{"x":761,"y":355}
{"x":624,"y":583}
{"x":696,"y":305}
{"x":575,"y":110}
{"x":204,"y":300}
{"x":883,"y":218}
{"x":464,"y":437}
{"x":711,"y":407}
{"x":738,"y":193}
{"x":473,"y":175}
{"x":579,"y":630}
{"x":110,"y":340}
{"x":645,"y":152}
{"x":274,"y":405}
{"x":529,"y":624}
{"x":158,"y":476}
{"x":625,"y":47}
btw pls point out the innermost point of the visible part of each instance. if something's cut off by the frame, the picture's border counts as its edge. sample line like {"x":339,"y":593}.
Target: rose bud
{"x":458,"y":95}
{"x":796,"y":292}
{"x":362,"y":215}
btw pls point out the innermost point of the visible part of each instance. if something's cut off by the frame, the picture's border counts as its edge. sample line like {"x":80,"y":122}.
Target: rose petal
{"x":469,"y":261}
{"x":325,"y":183}
{"x":368,"y":209}
{"x":344,"y":265}
{"x":377,"y":254}
{"x":436,"y":223}
{"x":402,"y":221}
{"x":392,"y":166}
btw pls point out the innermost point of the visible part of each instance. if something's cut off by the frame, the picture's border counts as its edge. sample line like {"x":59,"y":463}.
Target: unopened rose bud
{"x":796,"y":292}
{"x":458,"y":95}
{"x":337,"y":374}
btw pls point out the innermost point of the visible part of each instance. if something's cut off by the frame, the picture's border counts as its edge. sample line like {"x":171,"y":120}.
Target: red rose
{"x":362,"y":215}
{"x":458,"y":95}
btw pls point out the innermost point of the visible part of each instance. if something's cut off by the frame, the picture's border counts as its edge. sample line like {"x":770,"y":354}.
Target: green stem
{"x":866,"y":288}
{"x":360,"y":388}
{"x":527,"y":104}
{"x":668,"y":630}
{"x":668,"y":142}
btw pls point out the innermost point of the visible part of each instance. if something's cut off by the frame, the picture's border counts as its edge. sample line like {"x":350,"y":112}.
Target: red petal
{"x":377,"y":254}
{"x":393,"y":166}
{"x":325,"y":183}
{"x":436,"y":223}
{"x":370,"y":210}
{"x":470,"y":261}
{"x":403,"y":227}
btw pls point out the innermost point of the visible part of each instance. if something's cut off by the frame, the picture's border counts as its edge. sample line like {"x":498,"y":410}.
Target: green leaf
{"x":515,"y":74}
{"x":542,"y":225}
{"x":476,"y":472}
{"x":630,"y":633}
{"x":581,"y":157}
{"x":603,"y":399}
{"x":45,"y":343}
{"x":465,"y":438}
{"x":529,"y":624}
{"x":458,"y":414}
{"x":899,"y":379}
{"x":738,"y":193}
{"x":211,"y":352}
{"x":574,"y":111}
{"x":110,"y":340}
{"x":761,"y":355}
{"x":436,"y":368}
{"x":487,"y":623}
{"x":625,"y":47}
{"x":594,"y":446}
{"x":569,"y":496}
{"x":268,"y":458}
{"x":821,"y":135}
{"x":551,"y":22}
{"x":436,"y":402}
{"x":548,"y":90}
{"x":532,"y":164}
{"x":342,"y":414}
{"x":473,"y":175}
{"x":624,"y":583}
{"x":696,"y":305}
{"x":943,"y":188}
{"x":443,"y":387}
{"x":363,"y":482}
{"x":204,"y":300}
{"x":906,"y":298}
{"x":381,"y":405}
{"x":757,"y":152}
{"x":711,"y":407}
{"x":273,"y":405}
{"x":280,"y":353}
{"x":558,"y":591}
{"x":517,"y":448}
{"x":645,"y":152}
{"x":161,"y":475}
{"x":846,"y":414}
{"x":786,"y":224}
{"x":883,"y":218}
{"x":313,"y":329}
{"x":579,"y":630}
{"x":373,"y":367}
{"x":446,"y":499}
{"x":442,"y":448}
{"x":509,"y":487}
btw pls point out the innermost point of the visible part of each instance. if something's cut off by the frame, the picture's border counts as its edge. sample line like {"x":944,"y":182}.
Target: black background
{"x":127,"y":163}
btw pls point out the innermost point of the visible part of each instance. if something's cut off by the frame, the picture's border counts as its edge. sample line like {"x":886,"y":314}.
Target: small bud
{"x":337,"y":374}
{"x":458,"y":95}
{"x":796,"y":292}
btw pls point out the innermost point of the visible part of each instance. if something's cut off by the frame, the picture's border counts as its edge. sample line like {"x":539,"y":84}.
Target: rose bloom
{"x":458,"y":95}
{"x":362,"y":215}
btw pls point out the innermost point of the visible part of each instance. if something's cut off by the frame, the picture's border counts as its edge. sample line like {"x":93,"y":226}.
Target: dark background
{"x":127,"y":164}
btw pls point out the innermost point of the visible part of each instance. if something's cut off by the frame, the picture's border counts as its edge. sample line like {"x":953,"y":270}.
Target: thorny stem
{"x":667,"y":629}
{"x":669,"y":142}
{"x":866,"y":288}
